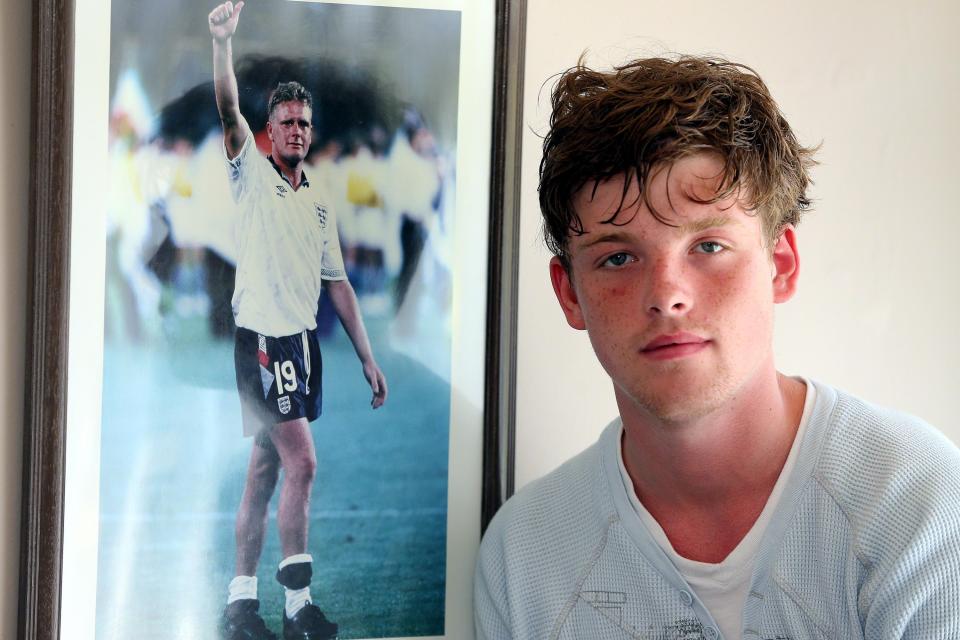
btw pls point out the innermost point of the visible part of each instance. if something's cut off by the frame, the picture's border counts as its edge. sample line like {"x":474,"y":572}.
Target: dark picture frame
{"x":46,"y":380}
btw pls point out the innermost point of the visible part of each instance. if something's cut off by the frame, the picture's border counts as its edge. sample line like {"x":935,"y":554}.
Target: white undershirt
{"x":723,"y":587}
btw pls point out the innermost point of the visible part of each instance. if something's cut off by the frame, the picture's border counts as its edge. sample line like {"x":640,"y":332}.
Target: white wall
{"x":14,"y":153}
{"x":878,"y":306}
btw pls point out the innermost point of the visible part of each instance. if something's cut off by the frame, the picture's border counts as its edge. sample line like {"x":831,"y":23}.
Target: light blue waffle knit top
{"x":865,"y":544}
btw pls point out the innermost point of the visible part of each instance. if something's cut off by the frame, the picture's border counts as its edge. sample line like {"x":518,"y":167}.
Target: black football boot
{"x":240,"y":621}
{"x":309,"y":624}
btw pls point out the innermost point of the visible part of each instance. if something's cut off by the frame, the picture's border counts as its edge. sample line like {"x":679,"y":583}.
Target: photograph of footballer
{"x":283,"y":203}
{"x":288,"y":249}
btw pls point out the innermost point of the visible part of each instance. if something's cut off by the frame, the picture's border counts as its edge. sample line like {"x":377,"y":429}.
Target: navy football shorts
{"x":278,"y":379}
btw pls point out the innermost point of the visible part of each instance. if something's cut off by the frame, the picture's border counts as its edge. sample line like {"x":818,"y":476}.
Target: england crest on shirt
{"x":321,"y":214}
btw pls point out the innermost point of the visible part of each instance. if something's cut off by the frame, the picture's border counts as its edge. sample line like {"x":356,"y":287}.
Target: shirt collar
{"x":303,"y":176}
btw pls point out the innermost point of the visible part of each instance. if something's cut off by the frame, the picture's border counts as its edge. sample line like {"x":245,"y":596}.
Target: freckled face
{"x":681,"y":318}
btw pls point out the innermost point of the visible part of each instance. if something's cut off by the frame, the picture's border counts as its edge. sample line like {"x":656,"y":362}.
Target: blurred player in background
{"x":287,"y":249}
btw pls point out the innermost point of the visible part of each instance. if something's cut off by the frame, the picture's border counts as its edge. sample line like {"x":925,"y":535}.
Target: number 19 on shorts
{"x":286,"y":376}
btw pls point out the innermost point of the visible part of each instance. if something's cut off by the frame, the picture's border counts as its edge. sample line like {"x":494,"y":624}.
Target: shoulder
{"x":875,"y":447}
{"x":538,"y":544}
{"x":561,"y":512}
{"x":319,"y":186}
{"x":895,"y":477}
{"x":569,"y":487}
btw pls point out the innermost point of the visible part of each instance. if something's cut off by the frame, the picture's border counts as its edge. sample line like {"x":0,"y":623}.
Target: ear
{"x":566,"y":294}
{"x":786,"y":265}
{"x":270,"y":129}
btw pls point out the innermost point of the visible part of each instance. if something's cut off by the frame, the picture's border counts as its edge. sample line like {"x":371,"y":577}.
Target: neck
{"x":293,"y":174}
{"x":707,"y":480}
{"x":725,"y":461}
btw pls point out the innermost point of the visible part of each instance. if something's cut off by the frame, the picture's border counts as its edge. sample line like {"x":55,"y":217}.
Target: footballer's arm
{"x":223,"y":24}
{"x":345,"y":304}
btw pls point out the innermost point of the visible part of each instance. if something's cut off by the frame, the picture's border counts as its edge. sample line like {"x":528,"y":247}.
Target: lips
{"x":674,"y":345}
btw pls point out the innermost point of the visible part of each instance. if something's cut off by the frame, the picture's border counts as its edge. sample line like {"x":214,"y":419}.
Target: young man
{"x":288,"y":248}
{"x":727,"y":499}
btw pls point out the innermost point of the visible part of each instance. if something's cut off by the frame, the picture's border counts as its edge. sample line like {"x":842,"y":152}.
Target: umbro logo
{"x":281,"y":190}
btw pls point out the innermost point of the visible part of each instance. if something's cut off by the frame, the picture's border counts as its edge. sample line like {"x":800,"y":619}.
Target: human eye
{"x":709,"y":246}
{"x":617,"y":260}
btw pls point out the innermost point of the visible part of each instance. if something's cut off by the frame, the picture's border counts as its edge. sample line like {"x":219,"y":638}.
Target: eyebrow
{"x":696,"y":226}
{"x":613,"y":236}
{"x":706,"y":223}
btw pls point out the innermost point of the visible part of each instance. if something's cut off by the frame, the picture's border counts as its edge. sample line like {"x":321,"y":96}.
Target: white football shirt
{"x":287,"y":244}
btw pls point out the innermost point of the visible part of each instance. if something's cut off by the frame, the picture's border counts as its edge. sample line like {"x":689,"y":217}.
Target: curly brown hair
{"x":648,"y":114}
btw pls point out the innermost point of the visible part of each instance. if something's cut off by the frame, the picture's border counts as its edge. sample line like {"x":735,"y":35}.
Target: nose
{"x":667,"y":291}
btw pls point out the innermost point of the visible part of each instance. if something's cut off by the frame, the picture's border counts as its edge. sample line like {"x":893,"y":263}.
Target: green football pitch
{"x":172,"y":468}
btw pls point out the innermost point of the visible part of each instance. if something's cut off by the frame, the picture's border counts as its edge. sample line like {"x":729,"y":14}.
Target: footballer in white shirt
{"x":288,"y":250}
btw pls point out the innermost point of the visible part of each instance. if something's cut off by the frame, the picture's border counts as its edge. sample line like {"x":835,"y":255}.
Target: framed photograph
{"x":231,"y":396}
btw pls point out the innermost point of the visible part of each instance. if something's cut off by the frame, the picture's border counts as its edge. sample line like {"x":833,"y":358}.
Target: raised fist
{"x":223,"y":20}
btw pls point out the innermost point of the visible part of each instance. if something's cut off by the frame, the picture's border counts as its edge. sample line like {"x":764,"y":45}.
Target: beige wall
{"x":878,"y":302}
{"x":14,"y":133}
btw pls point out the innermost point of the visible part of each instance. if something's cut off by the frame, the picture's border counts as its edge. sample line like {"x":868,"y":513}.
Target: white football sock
{"x":300,"y":557}
{"x":242,"y":588}
{"x":296,"y":600}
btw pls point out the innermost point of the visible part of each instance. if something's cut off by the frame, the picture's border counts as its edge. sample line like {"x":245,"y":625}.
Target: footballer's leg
{"x":262,"y":474}
{"x":241,"y":619}
{"x":294,"y":444}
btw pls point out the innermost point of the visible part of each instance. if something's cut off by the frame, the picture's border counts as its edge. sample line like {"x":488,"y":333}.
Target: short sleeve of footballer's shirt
{"x":240,"y":169}
{"x":331,"y":267}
